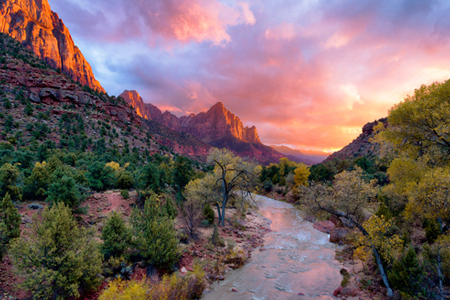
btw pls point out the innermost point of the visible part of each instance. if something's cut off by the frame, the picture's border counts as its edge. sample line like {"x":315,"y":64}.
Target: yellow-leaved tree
{"x":349,"y":197}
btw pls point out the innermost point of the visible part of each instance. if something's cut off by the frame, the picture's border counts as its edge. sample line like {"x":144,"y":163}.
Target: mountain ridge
{"x":217,"y":127}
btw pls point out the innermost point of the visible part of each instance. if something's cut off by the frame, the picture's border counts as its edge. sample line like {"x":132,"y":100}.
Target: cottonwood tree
{"x":418,"y":141}
{"x":349,"y":196}
{"x":231,"y":174}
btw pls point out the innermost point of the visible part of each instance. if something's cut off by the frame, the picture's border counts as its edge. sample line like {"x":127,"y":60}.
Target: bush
{"x":58,"y":258}
{"x":125,"y":194}
{"x":174,"y":287}
{"x":125,"y":180}
{"x":215,"y":238}
{"x":208,"y":213}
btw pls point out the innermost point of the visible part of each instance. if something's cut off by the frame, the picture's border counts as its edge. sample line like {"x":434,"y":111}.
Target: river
{"x":298,"y":259}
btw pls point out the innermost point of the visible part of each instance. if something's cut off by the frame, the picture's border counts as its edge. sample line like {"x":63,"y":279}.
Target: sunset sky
{"x":308,"y":74}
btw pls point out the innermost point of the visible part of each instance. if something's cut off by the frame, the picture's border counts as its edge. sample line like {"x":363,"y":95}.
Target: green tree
{"x":116,"y":236}
{"x":182,"y":173}
{"x":156,"y":235}
{"x":10,"y":218}
{"x":407,"y":274}
{"x":37,"y":183}
{"x":124,"y":180}
{"x":9,"y":177}
{"x":64,"y":190}
{"x":58,"y":258}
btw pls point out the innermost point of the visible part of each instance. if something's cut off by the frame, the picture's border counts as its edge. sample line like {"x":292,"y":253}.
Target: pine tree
{"x":407,"y":274}
{"x":156,"y":234}
{"x":116,"y":236}
{"x":10,"y":218}
{"x":57,"y":259}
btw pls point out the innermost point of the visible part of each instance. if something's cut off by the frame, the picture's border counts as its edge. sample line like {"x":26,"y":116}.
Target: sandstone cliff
{"x":217,"y":127}
{"x":39,"y":29}
{"x":208,"y":126}
{"x":360,"y":146}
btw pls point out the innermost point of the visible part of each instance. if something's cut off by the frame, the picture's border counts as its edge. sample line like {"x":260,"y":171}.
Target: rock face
{"x":360,"y":146}
{"x":217,"y":127}
{"x":35,"y":26}
{"x":208,"y":126}
{"x":48,"y":87}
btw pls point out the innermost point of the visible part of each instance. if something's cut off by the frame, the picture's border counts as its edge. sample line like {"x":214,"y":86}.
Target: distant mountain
{"x":298,"y":156}
{"x":360,"y":146}
{"x":217,"y":127}
{"x":35,"y":26}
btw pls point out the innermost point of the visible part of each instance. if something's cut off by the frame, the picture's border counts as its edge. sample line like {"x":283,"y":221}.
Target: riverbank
{"x":297,"y":262}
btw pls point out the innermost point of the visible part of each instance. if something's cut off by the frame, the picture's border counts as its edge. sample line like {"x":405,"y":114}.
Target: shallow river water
{"x":298,"y":259}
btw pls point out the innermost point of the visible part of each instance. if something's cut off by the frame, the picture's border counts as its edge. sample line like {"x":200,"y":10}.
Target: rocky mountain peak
{"x":36,"y":27}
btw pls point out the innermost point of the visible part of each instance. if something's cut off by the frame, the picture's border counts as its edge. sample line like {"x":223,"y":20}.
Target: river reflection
{"x":298,"y":259}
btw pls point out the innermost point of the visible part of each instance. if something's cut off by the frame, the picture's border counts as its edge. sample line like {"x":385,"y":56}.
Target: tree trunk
{"x":390,"y":293}
{"x":218,"y":212}
{"x":441,"y":289}
{"x":223,"y":212}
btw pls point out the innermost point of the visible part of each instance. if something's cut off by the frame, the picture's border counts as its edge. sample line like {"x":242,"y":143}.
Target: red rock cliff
{"x":208,"y":126}
{"x":38,"y":28}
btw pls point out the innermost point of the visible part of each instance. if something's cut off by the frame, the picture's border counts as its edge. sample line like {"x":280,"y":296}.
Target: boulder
{"x":337,"y":235}
{"x":324,"y":226}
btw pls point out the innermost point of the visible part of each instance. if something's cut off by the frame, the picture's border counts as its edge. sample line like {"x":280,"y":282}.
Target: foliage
{"x":9,"y":177}
{"x":407,"y":274}
{"x":231,"y":174}
{"x":171,"y":287}
{"x":116,"y":236}
{"x":183,"y":172}
{"x":64,"y":189}
{"x":58,"y":258}
{"x":301,"y":174}
{"x":124,"y":180}
{"x":380,"y":236}
{"x":37,"y":183}
{"x":156,"y":235}
{"x":215,"y":238}
{"x":10,"y":219}
{"x":208,"y":213}
{"x":125,"y":194}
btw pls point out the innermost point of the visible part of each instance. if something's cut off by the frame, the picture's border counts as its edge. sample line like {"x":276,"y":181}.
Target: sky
{"x":308,"y":74}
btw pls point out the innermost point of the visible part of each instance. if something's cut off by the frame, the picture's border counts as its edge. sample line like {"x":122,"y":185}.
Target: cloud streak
{"x":306,"y":73}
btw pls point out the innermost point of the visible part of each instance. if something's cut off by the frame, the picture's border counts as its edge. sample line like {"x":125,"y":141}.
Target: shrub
{"x":174,"y":287}
{"x":215,"y":238}
{"x":208,"y":213}
{"x":58,"y":258}
{"x":125,"y":194}
{"x":125,"y":180}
